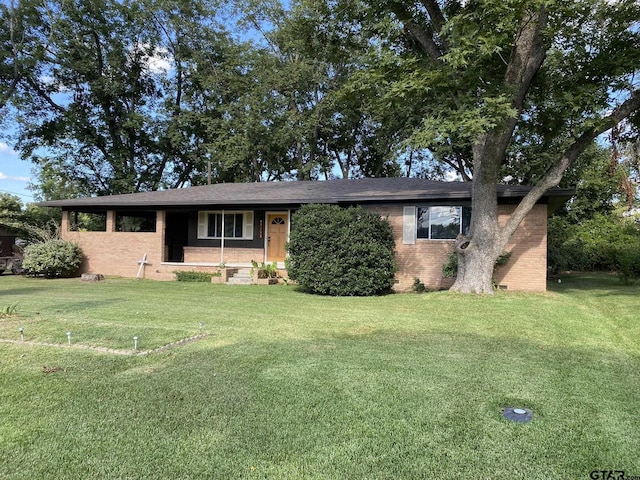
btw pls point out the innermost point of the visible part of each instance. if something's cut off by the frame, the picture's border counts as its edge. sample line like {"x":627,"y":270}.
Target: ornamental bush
{"x":193,"y":276}
{"x":341,"y":251}
{"x":605,"y":243}
{"x":52,"y":258}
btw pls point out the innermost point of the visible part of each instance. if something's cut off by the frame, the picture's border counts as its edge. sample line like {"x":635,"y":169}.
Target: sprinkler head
{"x":517,"y":414}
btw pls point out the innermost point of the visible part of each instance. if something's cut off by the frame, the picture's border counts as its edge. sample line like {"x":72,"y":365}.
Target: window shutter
{"x":409,"y":225}
{"x":248,"y":226}
{"x":202,"y":224}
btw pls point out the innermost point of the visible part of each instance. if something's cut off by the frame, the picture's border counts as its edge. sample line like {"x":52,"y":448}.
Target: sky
{"x":15,"y":173}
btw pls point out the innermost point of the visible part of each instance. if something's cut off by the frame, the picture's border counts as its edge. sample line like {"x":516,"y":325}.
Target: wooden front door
{"x":277,"y":225}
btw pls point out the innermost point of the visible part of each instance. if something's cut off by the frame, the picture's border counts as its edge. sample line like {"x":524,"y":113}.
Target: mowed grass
{"x":289,"y":385}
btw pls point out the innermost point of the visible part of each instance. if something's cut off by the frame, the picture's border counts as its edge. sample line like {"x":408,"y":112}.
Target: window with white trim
{"x":442,"y":222}
{"x":225,"y":224}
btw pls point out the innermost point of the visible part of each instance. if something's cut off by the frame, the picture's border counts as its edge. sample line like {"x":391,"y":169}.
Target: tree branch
{"x":15,"y":49}
{"x":435,"y":13}
{"x":554,"y":175}
{"x":42,"y":94}
{"x":418,"y":33}
{"x":424,"y":39}
{"x":437,"y":21}
{"x":527,"y":56}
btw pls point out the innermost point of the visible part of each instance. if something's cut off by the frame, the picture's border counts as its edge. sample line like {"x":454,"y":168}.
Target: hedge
{"x":341,"y":251}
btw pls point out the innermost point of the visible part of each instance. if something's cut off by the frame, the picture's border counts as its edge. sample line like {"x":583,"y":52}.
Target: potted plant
{"x":264,"y":273}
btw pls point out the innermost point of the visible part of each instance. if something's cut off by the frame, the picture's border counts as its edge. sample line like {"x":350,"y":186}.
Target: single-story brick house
{"x":200,"y":228}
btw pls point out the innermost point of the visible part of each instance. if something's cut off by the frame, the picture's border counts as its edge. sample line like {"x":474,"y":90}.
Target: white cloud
{"x":4,"y":148}
{"x":158,"y":63}
{"x":13,"y":178}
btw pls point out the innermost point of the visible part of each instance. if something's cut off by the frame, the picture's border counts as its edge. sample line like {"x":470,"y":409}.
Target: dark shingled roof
{"x":361,"y":191}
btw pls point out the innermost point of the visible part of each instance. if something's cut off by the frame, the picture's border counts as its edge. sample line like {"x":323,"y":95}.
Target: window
{"x":225,"y":224}
{"x":135,"y":221}
{"x":442,"y":223}
{"x":88,"y":222}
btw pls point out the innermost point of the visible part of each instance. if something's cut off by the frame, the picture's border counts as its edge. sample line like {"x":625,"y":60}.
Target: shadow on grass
{"x":606,"y":283}
{"x":84,"y":305}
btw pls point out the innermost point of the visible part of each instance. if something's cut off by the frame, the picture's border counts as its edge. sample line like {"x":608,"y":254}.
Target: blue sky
{"x":15,"y":174}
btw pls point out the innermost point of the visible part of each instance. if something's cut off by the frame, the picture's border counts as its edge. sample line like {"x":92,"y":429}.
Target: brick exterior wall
{"x":525,"y":271}
{"x":527,"y":268}
{"x":231,"y":255}
{"x":118,"y":253}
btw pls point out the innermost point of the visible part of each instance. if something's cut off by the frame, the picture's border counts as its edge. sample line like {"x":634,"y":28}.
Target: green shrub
{"x":341,"y":251}
{"x":191,"y":276}
{"x":418,"y":286}
{"x":450,"y":267}
{"x":265,"y":270}
{"x":605,"y":243}
{"x":52,"y":258}
{"x":628,"y":264}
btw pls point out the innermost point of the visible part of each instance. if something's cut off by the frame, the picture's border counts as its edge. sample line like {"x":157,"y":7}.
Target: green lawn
{"x":289,"y":385}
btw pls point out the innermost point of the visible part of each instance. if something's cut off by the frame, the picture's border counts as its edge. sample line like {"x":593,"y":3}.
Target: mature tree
{"x":92,"y":104}
{"x":505,"y":86}
{"x":627,"y":152}
{"x":10,"y":208}
{"x":54,"y":183}
{"x":24,"y":37}
{"x":27,"y":221}
{"x":117,"y":99}
{"x":308,"y":53}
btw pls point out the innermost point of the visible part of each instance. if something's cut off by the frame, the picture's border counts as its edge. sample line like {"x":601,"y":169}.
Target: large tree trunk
{"x":478,"y":252}
{"x":475,"y":268}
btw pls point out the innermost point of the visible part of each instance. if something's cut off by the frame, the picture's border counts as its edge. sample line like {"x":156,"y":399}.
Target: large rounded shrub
{"x":341,"y":251}
{"x":53,"y":258}
{"x":605,"y":243}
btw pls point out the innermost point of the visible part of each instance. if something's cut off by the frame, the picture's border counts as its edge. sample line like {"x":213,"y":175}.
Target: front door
{"x":277,"y":225}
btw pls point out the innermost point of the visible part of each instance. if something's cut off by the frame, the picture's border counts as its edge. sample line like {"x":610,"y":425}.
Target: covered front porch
{"x":154,"y":244}
{"x":226,"y":237}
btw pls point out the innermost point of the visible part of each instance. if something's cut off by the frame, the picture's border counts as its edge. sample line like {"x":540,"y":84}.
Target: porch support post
{"x":111,"y":220}
{"x":222,"y":241}
{"x":161,"y":227}
{"x":66,"y":222}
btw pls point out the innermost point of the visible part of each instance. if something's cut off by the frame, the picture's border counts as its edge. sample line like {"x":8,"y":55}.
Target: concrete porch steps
{"x":241,"y":277}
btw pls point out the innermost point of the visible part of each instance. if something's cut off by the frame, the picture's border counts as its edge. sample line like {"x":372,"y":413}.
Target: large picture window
{"x":135,"y":221}
{"x":225,"y":225}
{"x":442,"y":223}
